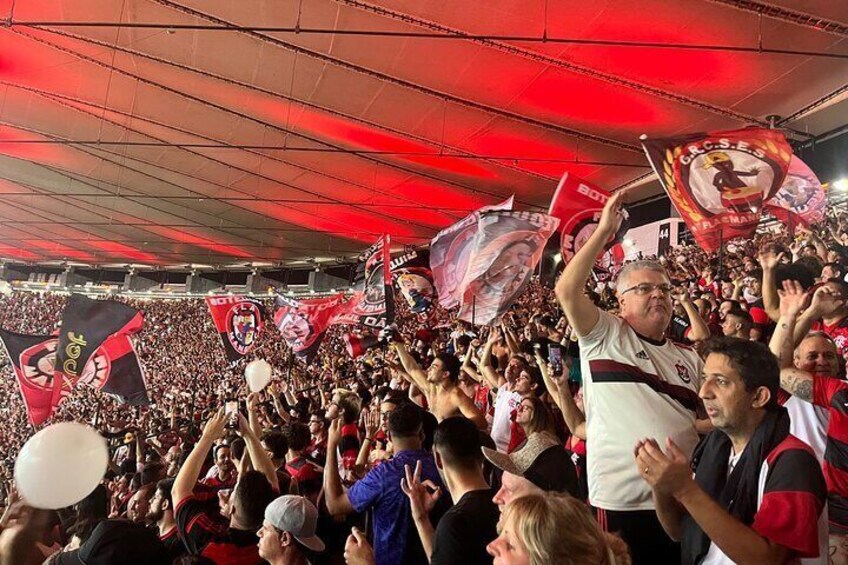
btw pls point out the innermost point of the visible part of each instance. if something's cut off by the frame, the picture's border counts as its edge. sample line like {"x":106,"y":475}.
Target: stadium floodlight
{"x":841,"y":184}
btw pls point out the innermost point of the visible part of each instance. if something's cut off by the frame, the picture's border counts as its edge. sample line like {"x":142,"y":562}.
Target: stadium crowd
{"x":639,"y":418}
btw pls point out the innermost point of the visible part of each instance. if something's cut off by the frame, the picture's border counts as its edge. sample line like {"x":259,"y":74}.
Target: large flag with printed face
{"x":239,"y":322}
{"x":505,"y":251}
{"x":578,"y":205}
{"x":801,"y":199}
{"x":450,"y":253}
{"x":303,"y":323}
{"x":719,"y":182}
{"x":414,"y":279}
{"x":86,"y":325}
{"x":372,"y":304}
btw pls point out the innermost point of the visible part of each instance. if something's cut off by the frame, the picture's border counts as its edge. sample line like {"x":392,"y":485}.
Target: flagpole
{"x":473,"y":309}
{"x":720,"y":251}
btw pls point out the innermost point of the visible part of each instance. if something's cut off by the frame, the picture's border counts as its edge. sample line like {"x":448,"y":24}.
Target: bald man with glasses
{"x":637,"y":384}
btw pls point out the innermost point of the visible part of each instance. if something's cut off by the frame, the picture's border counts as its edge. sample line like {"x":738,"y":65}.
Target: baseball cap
{"x":542,"y":460}
{"x":297,"y":516}
{"x":117,"y":542}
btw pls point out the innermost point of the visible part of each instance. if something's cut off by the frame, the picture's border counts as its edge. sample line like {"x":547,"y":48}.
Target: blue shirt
{"x":380,"y":490}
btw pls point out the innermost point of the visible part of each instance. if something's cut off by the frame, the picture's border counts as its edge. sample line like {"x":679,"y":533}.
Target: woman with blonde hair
{"x":554,"y":528}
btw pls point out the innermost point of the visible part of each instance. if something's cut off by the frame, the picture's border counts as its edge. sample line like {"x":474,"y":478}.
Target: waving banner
{"x":801,"y":199}
{"x":114,"y":369}
{"x":239,"y":322}
{"x":719,"y":182}
{"x":33,"y":358}
{"x":86,"y":325}
{"x":302,"y":323}
{"x":413,"y":277}
{"x":450,"y":254}
{"x":372,"y":304}
{"x":578,"y":205}
{"x":504,"y":253}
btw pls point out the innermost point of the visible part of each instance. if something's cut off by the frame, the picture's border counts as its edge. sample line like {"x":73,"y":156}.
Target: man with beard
{"x":161,"y":515}
{"x":636,"y":383}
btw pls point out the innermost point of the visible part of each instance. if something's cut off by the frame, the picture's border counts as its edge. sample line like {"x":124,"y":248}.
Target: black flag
{"x":86,"y":325}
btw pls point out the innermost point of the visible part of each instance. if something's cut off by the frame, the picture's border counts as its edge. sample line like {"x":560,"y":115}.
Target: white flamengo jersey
{"x":633,"y":388}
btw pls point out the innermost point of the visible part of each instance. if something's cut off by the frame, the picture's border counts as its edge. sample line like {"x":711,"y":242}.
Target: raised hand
{"x":420,"y":498}
{"x":793,"y":298}
{"x":215,"y":426}
{"x":826,"y":300}
{"x":612,"y":215}
{"x":372,"y":423}
{"x":680,"y":295}
{"x":769,"y":260}
{"x":334,"y":434}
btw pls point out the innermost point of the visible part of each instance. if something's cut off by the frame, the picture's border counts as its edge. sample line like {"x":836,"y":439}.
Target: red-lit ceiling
{"x":167,"y":144}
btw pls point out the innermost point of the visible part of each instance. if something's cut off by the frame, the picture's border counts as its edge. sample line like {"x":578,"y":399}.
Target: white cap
{"x":297,"y":516}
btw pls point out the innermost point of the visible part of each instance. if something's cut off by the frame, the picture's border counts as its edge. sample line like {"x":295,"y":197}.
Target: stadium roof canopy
{"x":218,"y":132}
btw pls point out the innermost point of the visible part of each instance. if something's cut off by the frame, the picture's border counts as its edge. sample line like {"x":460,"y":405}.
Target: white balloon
{"x":258,"y":374}
{"x":60,"y":465}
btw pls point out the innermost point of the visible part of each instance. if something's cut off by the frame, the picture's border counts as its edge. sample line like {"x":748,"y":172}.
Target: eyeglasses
{"x":642,"y":289}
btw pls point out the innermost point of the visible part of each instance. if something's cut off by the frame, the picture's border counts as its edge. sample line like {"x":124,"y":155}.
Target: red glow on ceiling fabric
{"x":511,"y":112}
{"x":124,"y":251}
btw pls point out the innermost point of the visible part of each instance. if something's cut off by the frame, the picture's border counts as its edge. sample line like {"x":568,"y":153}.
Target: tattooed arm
{"x":798,"y":383}
{"x":793,"y":299}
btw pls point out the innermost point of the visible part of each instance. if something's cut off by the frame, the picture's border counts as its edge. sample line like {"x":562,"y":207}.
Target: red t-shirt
{"x":349,"y":445}
{"x":833,"y":394}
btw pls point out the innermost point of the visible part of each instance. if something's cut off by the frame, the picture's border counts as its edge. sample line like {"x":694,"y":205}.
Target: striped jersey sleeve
{"x":792,"y":499}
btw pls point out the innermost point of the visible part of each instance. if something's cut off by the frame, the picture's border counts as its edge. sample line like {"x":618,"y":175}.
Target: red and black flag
{"x":578,"y":205}
{"x":239,"y":321}
{"x":303,"y":323}
{"x":33,"y":358}
{"x":801,"y":199}
{"x":86,"y":325}
{"x":504,"y":254}
{"x":372,"y":304}
{"x":413,"y":277}
{"x":114,"y":369}
{"x":450,"y":253}
{"x":719,"y":182}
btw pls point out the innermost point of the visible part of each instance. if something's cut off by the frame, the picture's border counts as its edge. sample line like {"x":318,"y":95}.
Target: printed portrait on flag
{"x":719,"y":182}
{"x":412,"y":274}
{"x":505,"y":252}
{"x":416,"y":287}
{"x":372,"y":304}
{"x":450,"y":253}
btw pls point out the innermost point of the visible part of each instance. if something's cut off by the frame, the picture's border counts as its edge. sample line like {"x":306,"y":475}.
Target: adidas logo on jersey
{"x":642,"y":355}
